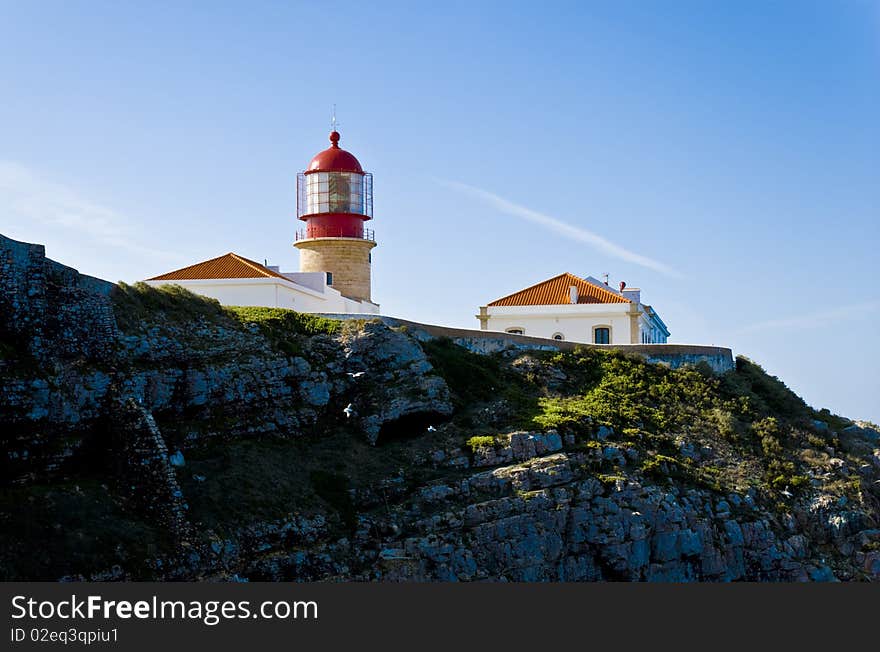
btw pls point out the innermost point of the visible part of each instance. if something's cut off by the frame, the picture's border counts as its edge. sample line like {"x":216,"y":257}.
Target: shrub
{"x":280,"y":322}
{"x":480,"y":442}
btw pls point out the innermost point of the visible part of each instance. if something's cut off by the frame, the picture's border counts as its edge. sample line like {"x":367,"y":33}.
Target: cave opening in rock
{"x":410,"y":426}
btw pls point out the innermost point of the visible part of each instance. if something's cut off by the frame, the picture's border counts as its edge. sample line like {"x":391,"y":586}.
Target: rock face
{"x":150,"y":435}
{"x":396,"y":386}
{"x":548,"y":523}
{"x":50,"y":309}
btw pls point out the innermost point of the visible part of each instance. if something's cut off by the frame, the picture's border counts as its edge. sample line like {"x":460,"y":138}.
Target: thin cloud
{"x":563,"y":228}
{"x":25,"y":198}
{"x":811,"y":320}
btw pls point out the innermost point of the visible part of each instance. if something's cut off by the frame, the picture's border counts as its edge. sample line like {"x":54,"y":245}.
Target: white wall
{"x":575,"y":321}
{"x":273,"y":293}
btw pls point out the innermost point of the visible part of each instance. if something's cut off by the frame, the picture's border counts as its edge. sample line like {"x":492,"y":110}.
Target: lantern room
{"x":334,"y":195}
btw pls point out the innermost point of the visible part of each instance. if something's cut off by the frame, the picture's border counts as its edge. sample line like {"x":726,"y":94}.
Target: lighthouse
{"x":334,"y":197}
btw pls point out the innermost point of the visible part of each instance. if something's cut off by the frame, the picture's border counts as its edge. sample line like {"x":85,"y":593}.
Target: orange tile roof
{"x":555,"y":291}
{"x":227,"y":266}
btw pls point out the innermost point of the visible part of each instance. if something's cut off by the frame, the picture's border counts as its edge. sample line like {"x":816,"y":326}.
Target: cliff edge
{"x":153,"y":434}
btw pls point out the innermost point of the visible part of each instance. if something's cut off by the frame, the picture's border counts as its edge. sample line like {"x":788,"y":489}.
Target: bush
{"x":480,"y":442}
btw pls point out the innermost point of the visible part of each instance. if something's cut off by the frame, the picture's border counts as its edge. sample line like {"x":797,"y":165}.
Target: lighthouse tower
{"x":335,"y":199}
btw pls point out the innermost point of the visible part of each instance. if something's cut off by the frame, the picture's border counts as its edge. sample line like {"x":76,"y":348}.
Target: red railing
{"x":332,"y":232}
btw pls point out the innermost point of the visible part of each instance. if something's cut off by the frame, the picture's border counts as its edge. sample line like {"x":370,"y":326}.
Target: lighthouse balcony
{"x":335,"y":232}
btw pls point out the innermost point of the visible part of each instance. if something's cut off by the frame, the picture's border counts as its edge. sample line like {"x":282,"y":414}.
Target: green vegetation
{"x":470,"y":376}
{"x":279,"y":322}
{"x":285,"y":329}
{"x":135,"y":304}
{"x":475,"y":380}
{"x":141,"y":304}
{"x":749,"y":416}
{"x":625,"y":392}
{"x":480,"y":442}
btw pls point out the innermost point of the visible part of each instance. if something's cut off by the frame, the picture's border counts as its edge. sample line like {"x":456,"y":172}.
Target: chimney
{"x":573,"y":293}
{"x":622,"y":285}
{"x":633,"y":294}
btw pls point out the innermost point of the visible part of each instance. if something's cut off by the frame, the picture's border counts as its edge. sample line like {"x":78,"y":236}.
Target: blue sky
{"x":723,"y":157}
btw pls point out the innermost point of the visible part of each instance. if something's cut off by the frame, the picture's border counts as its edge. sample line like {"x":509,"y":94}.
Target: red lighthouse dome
{"x":334,"y":159}
{"x":334,"y":195}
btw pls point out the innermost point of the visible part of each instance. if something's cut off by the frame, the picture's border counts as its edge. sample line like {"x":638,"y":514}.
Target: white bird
{"x":356,"y":375}
{"x":785,"y":492}
{"x":349,"y":410}
{"x":432,"y":429}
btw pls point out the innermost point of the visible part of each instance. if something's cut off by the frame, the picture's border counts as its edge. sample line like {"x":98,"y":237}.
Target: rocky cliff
{"x":152,"y":434}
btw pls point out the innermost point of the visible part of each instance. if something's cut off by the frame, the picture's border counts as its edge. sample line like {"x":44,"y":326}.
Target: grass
{"x":475,"y":380}
{"x":135,"y":305}
{"x":141,"y":305}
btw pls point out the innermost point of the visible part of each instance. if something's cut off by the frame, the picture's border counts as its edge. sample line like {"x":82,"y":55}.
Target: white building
{"x":237,"y":281}
{"x":567,"y":307}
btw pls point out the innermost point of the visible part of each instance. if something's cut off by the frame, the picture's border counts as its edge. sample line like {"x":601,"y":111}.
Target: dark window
{"x":515,"y":331}
{"x":559,"y":336}
{"x":329,"y":278}
{"x":602,"y":335}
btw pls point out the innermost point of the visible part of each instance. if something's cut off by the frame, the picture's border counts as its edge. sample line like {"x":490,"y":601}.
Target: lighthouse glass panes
{"x":335,"y":192}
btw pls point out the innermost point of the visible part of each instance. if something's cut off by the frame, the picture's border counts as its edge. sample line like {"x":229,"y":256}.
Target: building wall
{"x":348,"y":259}
{"x":271,"y":293}
{"x":649,"y":331}
{"x":575,"y":322}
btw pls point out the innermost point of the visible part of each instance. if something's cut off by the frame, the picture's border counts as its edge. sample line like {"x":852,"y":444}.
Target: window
{"x":335,"y":192}
{"x":558,"y":336}
{"x":602,"y":335}
{"x":515,"y":331}
{"x":329,"y":278}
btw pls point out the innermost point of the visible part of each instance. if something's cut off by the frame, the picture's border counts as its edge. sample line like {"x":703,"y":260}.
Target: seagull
{"x":432,"y":429}
{"x":356,"y":375}
{"x":349,"y":410}
{"x":785,"y":492}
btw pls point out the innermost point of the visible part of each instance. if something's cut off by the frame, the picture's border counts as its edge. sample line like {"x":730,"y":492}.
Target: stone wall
{"x":51,"y":309}
{"x":720,"y":359}
{"x":348,"y":259}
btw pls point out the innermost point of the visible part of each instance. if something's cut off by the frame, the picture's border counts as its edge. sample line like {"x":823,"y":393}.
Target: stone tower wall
{"x":348,"y":259}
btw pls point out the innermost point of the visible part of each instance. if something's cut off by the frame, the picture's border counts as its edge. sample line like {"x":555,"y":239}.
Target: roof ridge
{"x":526,"y":289}
{"x":549,"y":292}
{"x":609,"y":291}
{"x":262,"y":269}
{"x":217,"y":265}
